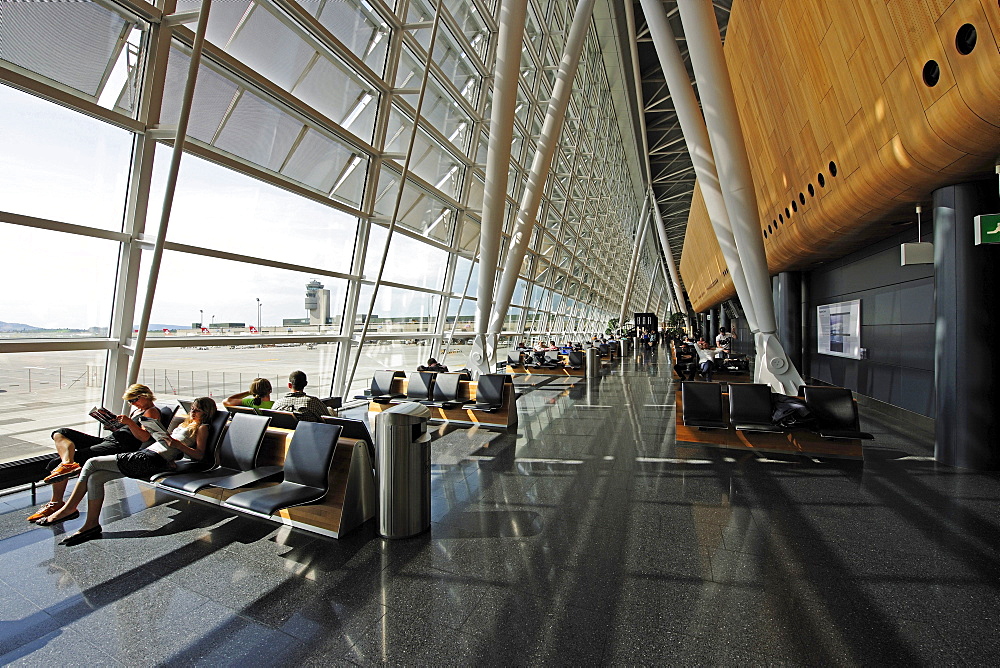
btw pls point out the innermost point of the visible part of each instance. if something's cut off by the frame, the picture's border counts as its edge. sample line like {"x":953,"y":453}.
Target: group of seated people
{"x":538,"y":352}
{"x":132,"y":451}
{"x":696,"y":358}
{"x":306,"y":407}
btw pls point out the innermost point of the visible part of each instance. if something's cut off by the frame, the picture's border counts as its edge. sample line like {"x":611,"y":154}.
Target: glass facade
{"x":306,"y":115}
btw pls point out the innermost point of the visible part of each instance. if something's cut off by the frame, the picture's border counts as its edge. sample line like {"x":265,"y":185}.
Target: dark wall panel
{"x":897,"y":325}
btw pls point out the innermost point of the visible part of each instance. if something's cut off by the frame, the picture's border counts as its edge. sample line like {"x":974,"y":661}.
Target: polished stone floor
{"x":588,"y":537}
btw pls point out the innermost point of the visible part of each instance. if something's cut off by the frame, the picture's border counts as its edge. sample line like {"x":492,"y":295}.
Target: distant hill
{"x":16,"y":327}
{"x":101,"y":331}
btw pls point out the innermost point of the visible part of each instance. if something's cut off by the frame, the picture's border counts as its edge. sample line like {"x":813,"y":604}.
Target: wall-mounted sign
{"x":838,"y":330}
{"x":987,"y":228}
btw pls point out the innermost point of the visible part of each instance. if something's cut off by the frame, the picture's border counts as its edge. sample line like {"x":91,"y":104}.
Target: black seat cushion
{"x":750,"y":407}
{"x":237,"y":452}
{"x":703,"y":405}
{"x":193,"y":482}
{"x":835,"y":412}
{"x":489,"y":392}
{"x":307,"y":472}
{"x":272,"y":499}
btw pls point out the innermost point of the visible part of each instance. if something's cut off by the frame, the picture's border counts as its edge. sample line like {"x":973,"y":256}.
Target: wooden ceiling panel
{"x":854,"y":95}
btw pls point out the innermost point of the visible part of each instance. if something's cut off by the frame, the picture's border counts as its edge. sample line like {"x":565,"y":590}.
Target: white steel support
{"x":346,"y":351}
{"x":696,"y":137}
{"x":458,"y":312}
{"x":661,"y":231}
{"x":404,"y":172}
{"x":736,"y":181}
{"x":542,"y":161}
{"x":168,"y":192}
{"x":513,"y":14}
{"x":649,"y":293}
{"x":640,"y":234}
{"x":137,"y":204}
{"x":672,"y":301}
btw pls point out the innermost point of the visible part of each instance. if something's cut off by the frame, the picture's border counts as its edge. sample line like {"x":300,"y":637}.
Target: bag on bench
{"x":790,"y":411}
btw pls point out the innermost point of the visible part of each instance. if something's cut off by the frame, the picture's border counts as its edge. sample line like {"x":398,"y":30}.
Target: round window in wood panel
{"x":932,"y":73}
{"x":965,"y":39}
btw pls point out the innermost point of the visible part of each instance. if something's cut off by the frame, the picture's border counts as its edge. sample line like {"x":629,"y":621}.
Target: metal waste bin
{"x":593,"y":364}
{"x":403,"y":469}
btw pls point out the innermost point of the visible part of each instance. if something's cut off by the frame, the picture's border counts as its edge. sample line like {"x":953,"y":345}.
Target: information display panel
{"x":838,"y":330}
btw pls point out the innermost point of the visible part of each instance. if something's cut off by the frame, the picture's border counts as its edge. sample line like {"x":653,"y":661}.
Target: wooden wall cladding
{"x":836,"y":92}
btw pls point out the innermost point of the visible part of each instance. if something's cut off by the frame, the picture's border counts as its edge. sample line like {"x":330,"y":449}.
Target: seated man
{"x":723,"y":344}
{"x":539,"y":352}
{"x":687,"y":362}
{"x":305,"y":407}
{"x":706,"y":360}
{"x":433,"y":365}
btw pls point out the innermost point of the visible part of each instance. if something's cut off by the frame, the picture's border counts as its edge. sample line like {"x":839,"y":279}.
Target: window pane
{"x":73,"y":43}
{"x":409,"y":261}
{"x":260,"y":131}
{"x":399,"y":311}
{"x":218,"y":208}
{"x":46,"y":146}
{"x":430,"y":161}
{"x":40,"y":392}
{"x":418,"y":210}
{"x":361,"y":30}
{"x":471,"y":23}
{"x":195,"y":290}
{"x":462,"y":278}
{"x":69,"y":297}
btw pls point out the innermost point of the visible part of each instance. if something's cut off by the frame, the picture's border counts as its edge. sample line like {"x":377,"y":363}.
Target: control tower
{"x":317,"y":303}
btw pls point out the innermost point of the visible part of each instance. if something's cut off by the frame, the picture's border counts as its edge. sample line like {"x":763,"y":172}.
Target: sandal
{"x":49,"y":521}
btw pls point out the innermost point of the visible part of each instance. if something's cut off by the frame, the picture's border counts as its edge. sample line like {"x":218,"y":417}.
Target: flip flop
{"x":49,"y":521}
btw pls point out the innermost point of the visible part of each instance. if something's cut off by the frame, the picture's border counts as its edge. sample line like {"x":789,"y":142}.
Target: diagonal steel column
{"x":542,"y":161}
{"x":699,"y":147}
{"x":640,"y":235}
{"x":168,"y":191}
{"x":513,"y":14}
{"x":736,"y":181}
{"x":661,"y":231}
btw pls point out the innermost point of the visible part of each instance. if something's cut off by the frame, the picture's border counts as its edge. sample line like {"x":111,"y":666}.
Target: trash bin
{"x":403,"y":470}
{"x":593,"y":364}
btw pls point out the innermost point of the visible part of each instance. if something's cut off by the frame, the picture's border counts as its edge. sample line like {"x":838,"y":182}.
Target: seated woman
{"x":433,"y":365}
{"x":259,"y":395}
{"x":75,"y":447}
{"x":189,"y":438}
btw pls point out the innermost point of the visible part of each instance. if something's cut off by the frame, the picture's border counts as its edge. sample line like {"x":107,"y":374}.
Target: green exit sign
{"x":988,"y":228}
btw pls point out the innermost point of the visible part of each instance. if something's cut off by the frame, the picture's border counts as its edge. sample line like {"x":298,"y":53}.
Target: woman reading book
{"x":189,"y":438}
{"x":75,"y":447}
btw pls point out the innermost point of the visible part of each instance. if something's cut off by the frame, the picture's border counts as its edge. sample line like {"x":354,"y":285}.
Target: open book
{"x":106,"y":418}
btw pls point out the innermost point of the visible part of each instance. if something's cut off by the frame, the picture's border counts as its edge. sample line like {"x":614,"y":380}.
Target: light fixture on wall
{"x":921,"y":252}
